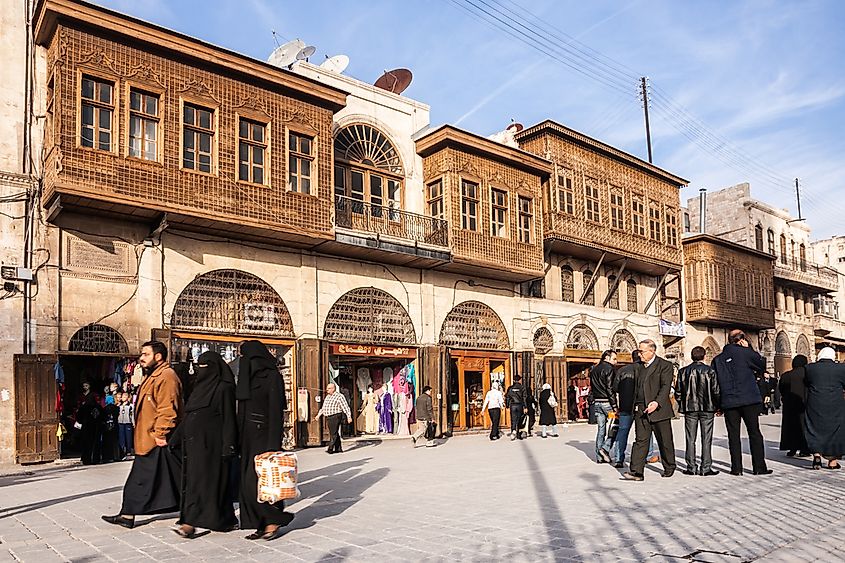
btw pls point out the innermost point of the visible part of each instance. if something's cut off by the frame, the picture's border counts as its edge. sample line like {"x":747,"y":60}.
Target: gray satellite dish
{"x":336,"y":64}
{"x":306,"y":52}
{"x":286,"y":54}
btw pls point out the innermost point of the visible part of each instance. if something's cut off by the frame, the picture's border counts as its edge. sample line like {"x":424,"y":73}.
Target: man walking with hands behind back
{"x":697,"y":394}
{"x":737,"y":368}
{"x":652,"y":412}
{"x":154,"y":482}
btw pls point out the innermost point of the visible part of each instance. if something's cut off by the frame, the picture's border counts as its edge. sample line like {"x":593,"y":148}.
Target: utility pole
{"x":798,"y":198}
{"x":643,"y":81}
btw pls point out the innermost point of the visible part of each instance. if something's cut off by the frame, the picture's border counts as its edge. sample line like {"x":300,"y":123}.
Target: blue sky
{"x":765,"y":80}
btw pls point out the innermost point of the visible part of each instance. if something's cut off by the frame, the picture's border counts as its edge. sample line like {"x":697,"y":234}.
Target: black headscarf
{"x":211,"y":371}
{"x":256,"y":361}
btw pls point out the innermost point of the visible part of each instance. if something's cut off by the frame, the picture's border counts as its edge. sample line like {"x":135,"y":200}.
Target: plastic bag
{"x":277,"y":476}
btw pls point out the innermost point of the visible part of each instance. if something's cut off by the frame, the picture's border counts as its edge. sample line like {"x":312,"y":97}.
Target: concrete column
{"x":799,"y":304}
{"x":780,"y":300}
{"x":790,"y":301}
{"x":808,"y":306}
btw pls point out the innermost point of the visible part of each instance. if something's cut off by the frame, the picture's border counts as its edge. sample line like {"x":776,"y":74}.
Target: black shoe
{"x":628,"y":476}
{"x":688,"y":472}
{"x":737,"y":473}
{"x":120,"y":520}
{"x":764,"y":472}
{"x":709,"y":473}
{"x":790,"y":453}
{"x":668,"y":474}
{"x":618,"y":465}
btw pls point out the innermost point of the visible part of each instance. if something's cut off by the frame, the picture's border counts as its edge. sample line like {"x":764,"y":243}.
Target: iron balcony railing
{"x":363,"y":216}
{"x":809,"y":274}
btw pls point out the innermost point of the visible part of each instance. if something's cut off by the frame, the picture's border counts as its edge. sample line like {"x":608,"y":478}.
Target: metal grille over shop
{"x":623,"y":341}
{"x":368,"y":315}
{"x":543,"y":341}
{"x":472,"y":325}
{"x":582,"y":337}
{"x":98,"y":338}
{"x":231,"y":302}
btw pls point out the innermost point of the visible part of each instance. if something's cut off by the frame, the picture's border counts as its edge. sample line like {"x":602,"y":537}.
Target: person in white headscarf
{"x":548,"y":420}
{"x":494,"y":401}
{"x":825,"y":409}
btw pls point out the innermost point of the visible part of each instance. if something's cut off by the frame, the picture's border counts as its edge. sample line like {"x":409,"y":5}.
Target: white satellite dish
{"x":306,"y":52}
{"x":336,"y":64}
{"x":286,"y":54}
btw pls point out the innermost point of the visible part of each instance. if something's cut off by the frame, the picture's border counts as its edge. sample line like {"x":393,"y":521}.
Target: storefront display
{"x":472,"y":374}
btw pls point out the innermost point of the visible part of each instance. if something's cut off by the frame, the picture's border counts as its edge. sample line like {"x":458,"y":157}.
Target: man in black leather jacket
{"x":697,"y":394}
{"x":603,"y":390}
{"x":516,"y":399}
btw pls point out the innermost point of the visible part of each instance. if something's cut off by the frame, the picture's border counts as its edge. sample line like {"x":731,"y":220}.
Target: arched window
{"x":632,"y":296}
{"x":613,"y":302}
{"x":367,"y":171}
{"x":543,"y":341}
{"x":590,"y":296}
{"x":771,"y":239}
{"x":758,"y":237}
{"x":582,"y":337}
{"x":783,"y":249}
{"x":802,"y":256}
{"x":98,"y":338}
{"x":567,"y":284}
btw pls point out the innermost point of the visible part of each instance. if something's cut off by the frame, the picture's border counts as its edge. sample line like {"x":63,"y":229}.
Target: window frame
{"x":504,"y":208}
{"x":209,"y":105}
{"x":639,"y":216}
{"x":148,"y":90}
{"x":476,"y":199}
{"x":525,"y":230}
{"x":632,"y":296}
{"x":783,"y":258}
{"x":571,"y":273}
{"x":617,"y":209}
{"x":655,"y":223}
{"x":267,"y":145}
{"x":104,"y":77}
{"x":567,"y":190}
{"x":589,"y":296}
{"x":304,"y":132}
{"x":439,"y":199}
{"x":770,"y":239}
{"x":670,"y":216}
{"x":758,"y":237}
{"x":590,"y":185}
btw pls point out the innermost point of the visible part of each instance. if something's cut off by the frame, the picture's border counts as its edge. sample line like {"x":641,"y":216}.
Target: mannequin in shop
{"x":386,"y":411}
{"x":364,"y":381}
{"x":368,"y":419}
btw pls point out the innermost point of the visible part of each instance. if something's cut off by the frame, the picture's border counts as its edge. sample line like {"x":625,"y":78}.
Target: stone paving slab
{"x":467,"y":499}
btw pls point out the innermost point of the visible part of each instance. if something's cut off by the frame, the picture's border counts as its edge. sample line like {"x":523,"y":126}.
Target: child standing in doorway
{"x":126,"y":424}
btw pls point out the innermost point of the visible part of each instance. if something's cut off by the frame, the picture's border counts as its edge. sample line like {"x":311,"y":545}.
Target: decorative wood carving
{"x":145,"y":73}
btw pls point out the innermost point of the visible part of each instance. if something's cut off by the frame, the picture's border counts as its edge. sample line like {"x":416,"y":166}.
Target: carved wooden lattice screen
{"x":623,"y":341}
{"x":582,"y":337}
{"x":231,"y":302}
{"x":369,"y":316}
{"x":473,"y":325}
{"x":543,"y":341}
{"x":98,"y":338}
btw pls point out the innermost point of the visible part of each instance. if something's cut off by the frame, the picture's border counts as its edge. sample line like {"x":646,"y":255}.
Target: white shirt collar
{"x":648,"y":364}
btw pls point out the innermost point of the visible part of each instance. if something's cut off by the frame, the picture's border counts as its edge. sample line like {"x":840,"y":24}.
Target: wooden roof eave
{"x":50,"y":12}
{"x":448,"y":136}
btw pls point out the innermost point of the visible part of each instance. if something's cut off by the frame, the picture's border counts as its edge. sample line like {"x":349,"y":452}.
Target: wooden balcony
{"x":385,"y":234}
{"x":807,"y":276}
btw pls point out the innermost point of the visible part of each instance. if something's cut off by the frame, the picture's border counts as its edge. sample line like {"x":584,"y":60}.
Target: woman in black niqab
{"x":261,"y":406}
{"x":208,"y":439}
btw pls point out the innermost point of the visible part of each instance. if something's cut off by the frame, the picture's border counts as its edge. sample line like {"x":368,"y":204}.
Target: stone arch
{"x":368,"y":315}
{"x":711,"y":348}
{"x":230,"y":301}
{"x":782,"y":345}
{"x":474,"y":325}
{"x":544,"y":341}
{"x":623,"y":341}
{"x":768,"y":349}
{"x":98,"y":338}
{"x":582,"y":337}
{"x":802,"y":346}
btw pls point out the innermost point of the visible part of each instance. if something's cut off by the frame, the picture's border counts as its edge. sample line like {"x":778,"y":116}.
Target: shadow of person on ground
{"x":16,"y":510}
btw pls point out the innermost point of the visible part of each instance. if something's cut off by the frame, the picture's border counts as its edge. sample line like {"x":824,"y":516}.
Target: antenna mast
{"x":644,"y":84}
{"x":798,"y":198}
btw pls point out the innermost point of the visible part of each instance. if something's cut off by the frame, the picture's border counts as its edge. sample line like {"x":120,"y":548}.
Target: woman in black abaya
{"x":207,"y":438}
{"x":792,"y":393}
{"x":261,"y":405}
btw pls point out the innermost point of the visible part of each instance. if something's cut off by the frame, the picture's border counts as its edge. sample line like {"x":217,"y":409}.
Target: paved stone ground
{"x":467,"y":499}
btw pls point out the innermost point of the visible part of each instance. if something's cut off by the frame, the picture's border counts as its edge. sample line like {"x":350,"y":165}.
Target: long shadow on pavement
{"x":15,"y":510}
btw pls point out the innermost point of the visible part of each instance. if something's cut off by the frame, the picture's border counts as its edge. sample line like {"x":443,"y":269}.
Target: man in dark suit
{"x":652,"y":411}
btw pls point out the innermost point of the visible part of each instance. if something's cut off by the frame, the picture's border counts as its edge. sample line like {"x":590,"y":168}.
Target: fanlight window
{"x":623,"y":341}
{"x":475,"y":326}
{"x":368,"y":315}
{"x":365,"y":145}
{"x":543,"y":341}
{"x":782,"y":346}
{"x":582,"y":337}
{"x":368,"y":172}
{"x":98,"y":338}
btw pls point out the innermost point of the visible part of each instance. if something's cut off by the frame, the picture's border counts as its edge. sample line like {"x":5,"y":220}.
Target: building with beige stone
{"x":200,"y":197}
{"x":828,"y":319}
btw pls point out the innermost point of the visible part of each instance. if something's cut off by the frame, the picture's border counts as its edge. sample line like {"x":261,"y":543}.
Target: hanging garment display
{"x":363,"y":380}
{"x":404,"y":411}
{"x":368,"y":419}
{"x":386,"y":413}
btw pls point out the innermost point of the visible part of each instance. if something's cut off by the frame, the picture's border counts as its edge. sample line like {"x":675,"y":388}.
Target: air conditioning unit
{"x":16,"y":273}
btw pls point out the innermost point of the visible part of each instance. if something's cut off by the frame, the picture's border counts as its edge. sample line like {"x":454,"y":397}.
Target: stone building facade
{"x":199,"y":197}
{"x":734,"y":215}
{"x":828,"y":317}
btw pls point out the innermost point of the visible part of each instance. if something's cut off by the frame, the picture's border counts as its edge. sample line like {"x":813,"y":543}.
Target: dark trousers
{"x":516,"y":418}
{"x":662,"y":431}
{"x":692,"y":421}
{"x":334,"y":421}
{"x":495,"y":415}
{"x":748,"y":414}
{"x":125,"y":438}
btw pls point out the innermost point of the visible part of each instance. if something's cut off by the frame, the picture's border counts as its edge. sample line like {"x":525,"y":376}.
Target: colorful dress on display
{"x":386,"y":414}
{"x":402,"y":400}
{"x":368,"y":419}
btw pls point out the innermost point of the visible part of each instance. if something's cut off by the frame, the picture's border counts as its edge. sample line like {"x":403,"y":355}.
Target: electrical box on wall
{"x":16,"y":273}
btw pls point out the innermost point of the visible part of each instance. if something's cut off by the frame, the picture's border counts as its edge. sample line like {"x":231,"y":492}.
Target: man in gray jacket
{"x":697,"y":394}
{"x":425,"y":415}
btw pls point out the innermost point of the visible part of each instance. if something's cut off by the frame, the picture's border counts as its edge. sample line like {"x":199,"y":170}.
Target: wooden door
{"x":309,"y":376}
{"x":35,"y":408}
{"x":554,"y":372}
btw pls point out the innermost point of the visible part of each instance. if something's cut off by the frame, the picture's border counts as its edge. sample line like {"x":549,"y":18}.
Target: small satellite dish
{"x":306,"y":52}
{"x":286,"y":54}
{"x":337,"y":63}
{"x":515,"y":127}
{"x":395,"y":80}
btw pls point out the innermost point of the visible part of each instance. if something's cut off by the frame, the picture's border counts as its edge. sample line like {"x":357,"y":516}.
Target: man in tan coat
{"x":153,"y":485}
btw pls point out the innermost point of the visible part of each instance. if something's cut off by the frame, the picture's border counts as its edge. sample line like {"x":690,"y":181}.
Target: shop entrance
{"x":471,"y":377}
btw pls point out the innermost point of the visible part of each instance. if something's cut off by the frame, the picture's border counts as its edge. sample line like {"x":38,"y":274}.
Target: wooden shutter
{"x":434,"y":362}
{"x":309,"y":375}
{"x":35,"y":408}
{"x":554,"y":372}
